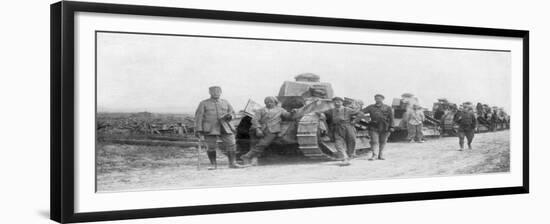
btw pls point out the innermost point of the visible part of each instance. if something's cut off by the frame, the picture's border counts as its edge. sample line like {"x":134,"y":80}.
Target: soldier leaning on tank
{"x":340,"y":120}
{"x":266,"y":126}
{"x":467,"y":122}
{"x":380,"y":127}
{"x":211,"y":124}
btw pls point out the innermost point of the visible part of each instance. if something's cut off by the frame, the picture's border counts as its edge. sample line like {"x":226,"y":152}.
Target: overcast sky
{"x":172,"y":73}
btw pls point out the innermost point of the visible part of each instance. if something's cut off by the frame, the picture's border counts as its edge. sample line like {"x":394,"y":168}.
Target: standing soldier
{"x":340,"y":119}
{"x":466,"y":121}
{"x":415,"y":119}
{"x":380,"y":126}
{"x":211,"y":123}
{"x":266,"y":125}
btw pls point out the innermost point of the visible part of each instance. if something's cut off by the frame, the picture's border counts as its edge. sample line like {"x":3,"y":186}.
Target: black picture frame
{"x":62,"y":110}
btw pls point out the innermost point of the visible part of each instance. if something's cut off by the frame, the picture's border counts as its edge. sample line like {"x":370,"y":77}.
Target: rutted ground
{"x":128,"y":167}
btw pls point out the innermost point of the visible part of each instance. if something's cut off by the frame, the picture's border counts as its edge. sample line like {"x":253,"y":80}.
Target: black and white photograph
{"x":168,"y":111}
{"x":178,"y":111}
{"x":288,"y":111}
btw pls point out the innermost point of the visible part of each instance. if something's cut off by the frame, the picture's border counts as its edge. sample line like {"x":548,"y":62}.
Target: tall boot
{"x":232,"y":160}
{"x":212,"y":158}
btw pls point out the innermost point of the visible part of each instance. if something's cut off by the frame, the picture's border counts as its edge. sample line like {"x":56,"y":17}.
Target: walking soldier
{"x":466,"y":121}
{"x":380,"y":126}
{"x":211,"y":123}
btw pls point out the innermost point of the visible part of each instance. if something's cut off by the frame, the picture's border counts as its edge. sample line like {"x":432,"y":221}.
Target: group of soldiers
{"x":213,"y":115}
{"x":465,"y":120}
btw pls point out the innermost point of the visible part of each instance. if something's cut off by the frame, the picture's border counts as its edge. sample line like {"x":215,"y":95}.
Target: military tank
{"x":305,"y":133}
{"x":444,"y":111}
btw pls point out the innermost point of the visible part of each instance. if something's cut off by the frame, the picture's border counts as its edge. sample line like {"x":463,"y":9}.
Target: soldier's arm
{"x":367,"y":110}
{"x":285,"y":114}
{"x":256,"y":119}
{"x":357,"y":114}
{"x":323,"y":115}
{"x":199,"y":114}
{"x":456,"y":118}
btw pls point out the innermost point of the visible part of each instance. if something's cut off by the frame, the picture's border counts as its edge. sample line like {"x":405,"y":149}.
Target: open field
{"x":130,"y":167}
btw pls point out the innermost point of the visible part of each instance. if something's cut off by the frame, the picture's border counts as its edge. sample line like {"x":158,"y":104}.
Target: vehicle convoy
{"x":488,"y":118}
{"x":305,"y":133}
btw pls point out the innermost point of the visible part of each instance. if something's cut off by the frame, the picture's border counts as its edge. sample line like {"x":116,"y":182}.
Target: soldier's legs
{"x":461,"y":139}
{"x":470,"y":136}
{"x":264,"y":142}
{"x":229,"y":145}
{"x":259,"y":148}
{"x":211,"y":142}
{"x":411,"y":132}
{"x":383,"y":138}
{"x":340,"y":144}
{"x":419,"y":135}
{"x":350,"y":140}
{"x":374,"y":144}
{"x":254,"y":140}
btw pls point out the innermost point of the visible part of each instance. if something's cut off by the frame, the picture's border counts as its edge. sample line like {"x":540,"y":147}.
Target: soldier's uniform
{"x":268,"y":120}
{"x":340,"y":123}
{"x":379,"y":127}
{"x":414,"y":119}
{"x":467,"y":122}
{"x":209,"y":121}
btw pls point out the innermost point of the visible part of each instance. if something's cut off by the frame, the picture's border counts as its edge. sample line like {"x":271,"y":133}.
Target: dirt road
{"x":128,"y":168}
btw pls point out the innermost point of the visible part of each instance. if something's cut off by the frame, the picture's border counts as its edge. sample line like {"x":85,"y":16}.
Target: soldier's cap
{"x":214,"y":87}
{"x":380,"y":95}
{"x":338,"y":98}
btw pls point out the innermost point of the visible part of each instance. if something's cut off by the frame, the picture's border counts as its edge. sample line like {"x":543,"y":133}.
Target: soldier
{"x":340,"y":119}
{"x":415,"y":119}
{"x":211,"y":123}
{"x":466,"y":121}
{"x":380,"y":126}
{"x":266,"y":125}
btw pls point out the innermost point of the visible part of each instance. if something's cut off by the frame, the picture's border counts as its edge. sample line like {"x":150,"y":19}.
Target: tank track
{"x":308,"y":139}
